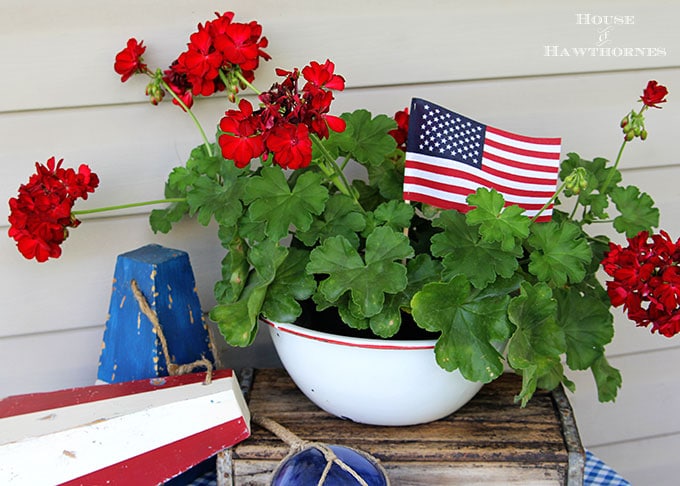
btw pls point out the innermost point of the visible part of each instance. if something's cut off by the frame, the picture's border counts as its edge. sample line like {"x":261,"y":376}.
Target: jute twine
{"x":173,"y":368}
{"x":297,"y":444}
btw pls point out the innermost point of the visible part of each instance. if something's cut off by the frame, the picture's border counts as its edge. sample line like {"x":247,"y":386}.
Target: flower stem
{"x":334,"y":173}
{"x":608,"y":181}
{"x":240,"y":77}
{"x":128,"y":205}
{"x":550,"y":201}
{"x":181,"y":103}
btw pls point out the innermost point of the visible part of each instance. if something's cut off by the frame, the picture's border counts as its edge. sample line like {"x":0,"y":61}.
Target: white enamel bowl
{"x":370,"y":381}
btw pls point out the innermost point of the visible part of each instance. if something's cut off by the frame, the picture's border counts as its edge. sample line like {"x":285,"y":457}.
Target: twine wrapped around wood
{"x":173,"y":368}
{"x":297,"y":444}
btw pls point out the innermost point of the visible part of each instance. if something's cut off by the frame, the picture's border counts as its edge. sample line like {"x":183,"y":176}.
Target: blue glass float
{"x":306,"y":467}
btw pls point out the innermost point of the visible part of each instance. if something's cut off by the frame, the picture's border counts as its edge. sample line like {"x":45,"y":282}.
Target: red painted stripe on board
{"x":36,"y":402}
{"x":159,"y":465}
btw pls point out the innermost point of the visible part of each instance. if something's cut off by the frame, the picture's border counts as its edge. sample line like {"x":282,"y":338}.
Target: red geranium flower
{"x":242,"y":140}
{"x":241,"y":45}
{"x":322,"y":76}
{"x":291,"y":145}
{"x":129,"y":60}
{"x":653,"y":94}
{"x":400,"y":134}
{"x":41,"y":213}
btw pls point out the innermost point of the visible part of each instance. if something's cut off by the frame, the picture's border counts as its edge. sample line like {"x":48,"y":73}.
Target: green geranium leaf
{"x":346,"y":310}
{"x":163,"y":219}
{"x":388,"y":177}
{"x":235,"y":268}
{"x":637,"y":211}
{"x":387,"y":322}
{"x":340,"y":217}
{"x":587,"y":324}
{"x":367,"y":281}
{"x":237,"y":321}
{"x":607,"y":379}
{"x":179,"y":181}
{"x":464,"y":252}
{"x":292,"y":284}
{"x":272,"y":201}
{"x":537,"y":343}
{"x":559,"y":253}
{"x":469,"y":327}
{"x":496,"y":223}
{"x":369,"y":196}
{"x":210,"y":165}
{"x":208,"y":198}
{"x":366,"y":139}
{"x":395,"y":214}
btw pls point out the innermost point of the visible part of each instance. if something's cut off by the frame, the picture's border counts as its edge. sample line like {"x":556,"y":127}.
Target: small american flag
{"x":449,"y":156}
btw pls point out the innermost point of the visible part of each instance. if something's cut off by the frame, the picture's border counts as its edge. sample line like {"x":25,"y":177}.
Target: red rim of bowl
{"x":351,"y":341}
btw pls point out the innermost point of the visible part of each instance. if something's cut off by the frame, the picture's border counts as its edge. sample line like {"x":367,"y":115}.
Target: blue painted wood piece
{"x":131,"y":349}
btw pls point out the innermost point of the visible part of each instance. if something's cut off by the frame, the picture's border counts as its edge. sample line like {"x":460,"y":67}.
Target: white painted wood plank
{"x":644,"y":461}
{"x":90,"y":438}
{"x":646,"y":406}
{"x":72,"y":44}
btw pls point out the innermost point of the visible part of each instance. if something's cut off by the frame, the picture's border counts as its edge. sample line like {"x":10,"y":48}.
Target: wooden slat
{"x":490,"y":430}
{"x":72,"y":44}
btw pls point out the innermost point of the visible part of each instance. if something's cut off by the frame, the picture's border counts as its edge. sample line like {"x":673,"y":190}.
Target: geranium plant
{"x":297,"y":229}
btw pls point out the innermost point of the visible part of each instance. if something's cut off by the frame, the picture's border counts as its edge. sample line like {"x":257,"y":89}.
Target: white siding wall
{"x":487,"y":60}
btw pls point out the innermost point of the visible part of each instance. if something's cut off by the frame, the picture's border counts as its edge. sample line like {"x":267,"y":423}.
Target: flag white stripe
{"x":537,"y":147}
{"x":527,"y":159}
{"x":455,"y":181}
{"x":459,"y":198}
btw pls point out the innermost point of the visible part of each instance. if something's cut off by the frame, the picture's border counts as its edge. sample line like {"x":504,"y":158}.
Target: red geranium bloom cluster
{"x":218,"y":46}
{"x":41,"y":213}
{"x":653,"y":94}
{"x":214,"y":51}
{"x":400,"y":134}
{"x":287,"y":118}
{"x":646,"y":281}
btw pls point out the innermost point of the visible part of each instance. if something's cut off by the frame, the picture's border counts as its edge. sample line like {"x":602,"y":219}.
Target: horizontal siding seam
{"x":366,"y":86}
{"x":633,"y":440}
{"x":51,"y":332}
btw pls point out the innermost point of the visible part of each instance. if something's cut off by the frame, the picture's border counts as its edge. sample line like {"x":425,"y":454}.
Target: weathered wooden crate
{"x":491,"y":440}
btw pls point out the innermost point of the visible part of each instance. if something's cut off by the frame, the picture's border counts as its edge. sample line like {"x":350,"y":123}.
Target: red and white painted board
{"x":140,"y":432}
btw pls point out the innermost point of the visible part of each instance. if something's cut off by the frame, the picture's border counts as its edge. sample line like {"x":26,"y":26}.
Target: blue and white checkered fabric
{"x":598,"y":473}
{"x":208,"y":479}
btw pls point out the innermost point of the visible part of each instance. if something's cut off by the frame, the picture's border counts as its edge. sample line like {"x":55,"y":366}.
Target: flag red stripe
{"x":464,"y":208}
{"x":451,"y":172}
{"x":169,"y":460}
{"x":521,"y":151}
{"x":509,"y":175}
{"x":454,"y":189}
{"x":522,"y":138}
{"x":521,"y":165}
